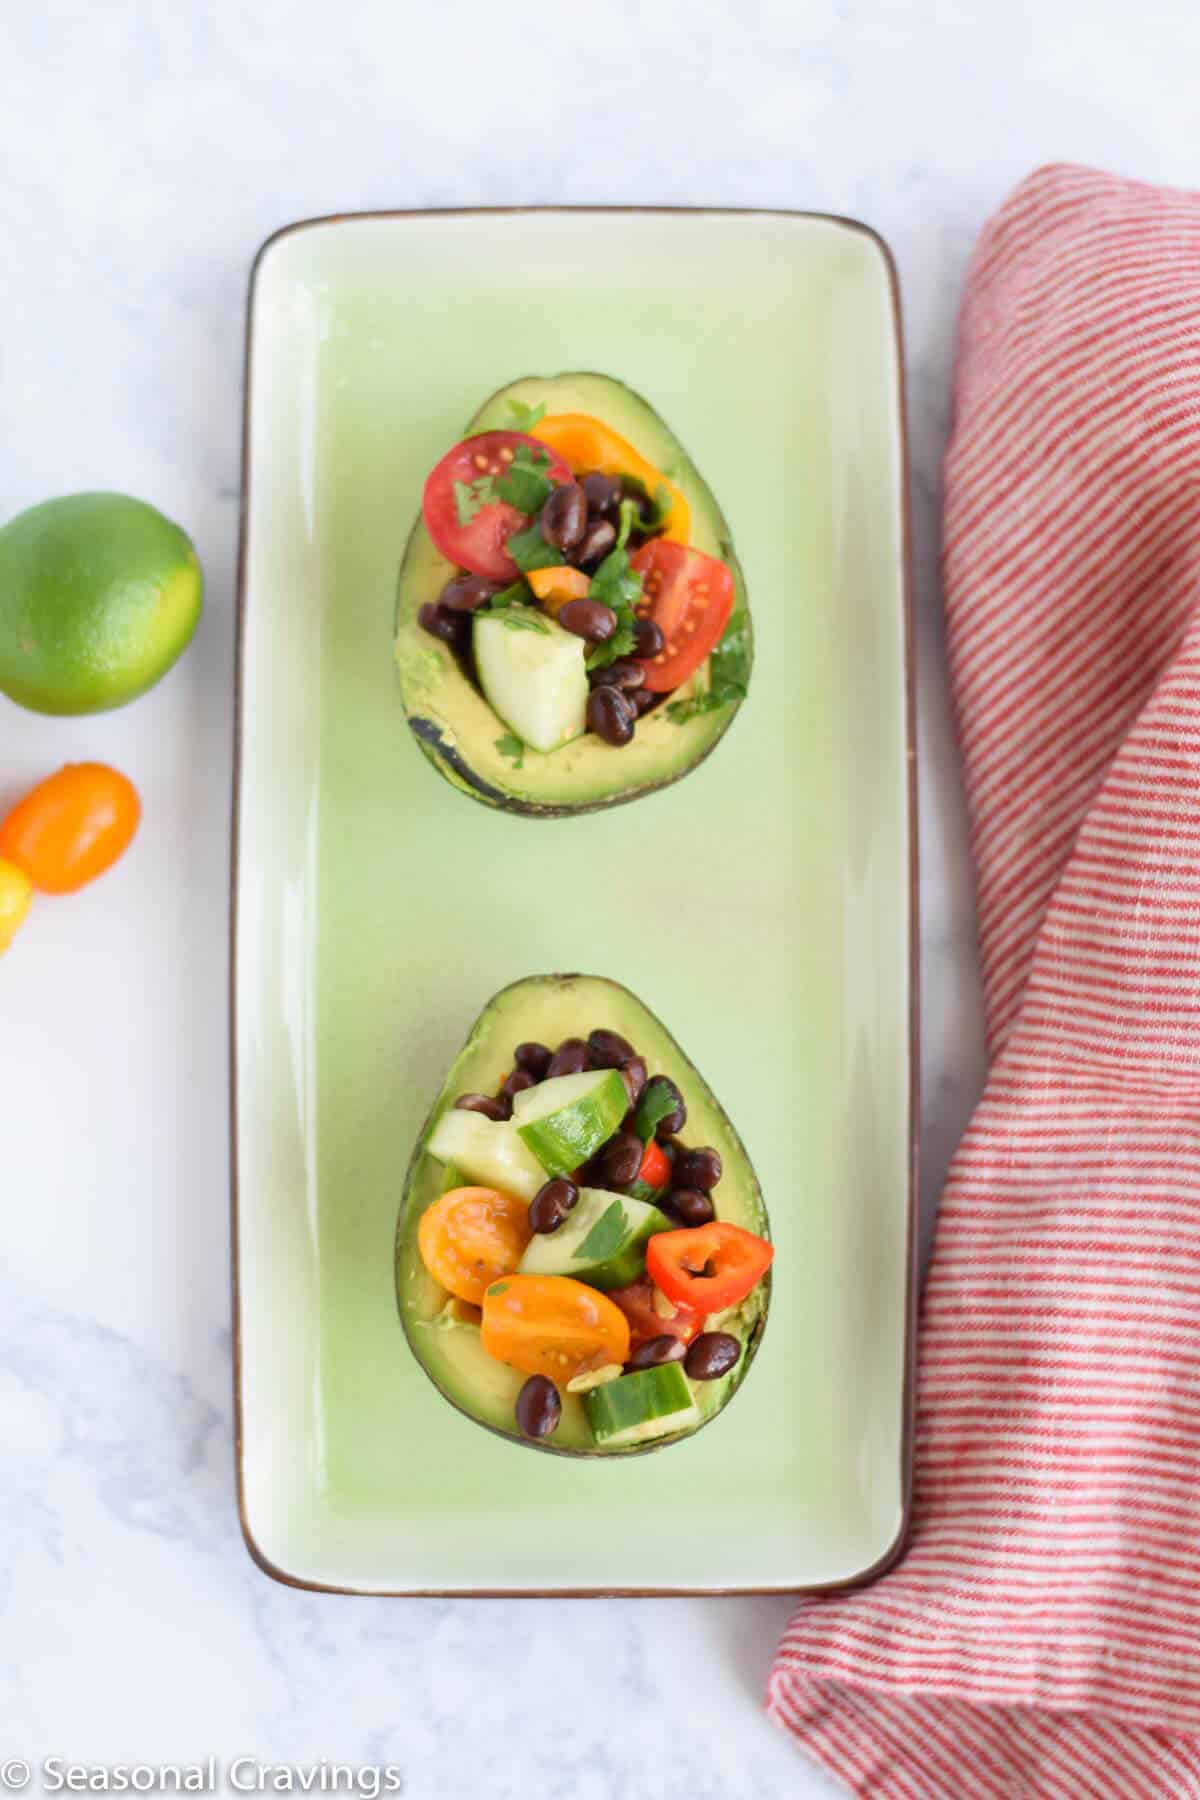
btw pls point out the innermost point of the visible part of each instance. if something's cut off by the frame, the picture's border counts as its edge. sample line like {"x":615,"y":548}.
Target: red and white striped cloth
{"x":1042,"y":1634}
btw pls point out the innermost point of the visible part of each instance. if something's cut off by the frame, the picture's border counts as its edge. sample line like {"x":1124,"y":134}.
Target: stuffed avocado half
{"x":572,"y":627}
{"x":582,"y":1256}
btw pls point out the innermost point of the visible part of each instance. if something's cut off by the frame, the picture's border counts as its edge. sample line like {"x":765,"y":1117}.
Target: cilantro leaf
{"x":515,"y":595}
{"x":606,"y":1235}
{"x":655,"y":508}
{"x":526,"y":417}
{"x":529,"y":550}
{"x":523,"y":485}
{"x":729,"y":674}
{"x":468,"y":500}
{"x":629,"y":515}
{"x":656,"y":1102}
{"x":615,"y":584}
{"x":511,"y":746}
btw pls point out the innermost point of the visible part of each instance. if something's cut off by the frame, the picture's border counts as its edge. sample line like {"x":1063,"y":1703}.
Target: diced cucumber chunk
{"x":486,"y":1151}
{"x":566,"y":1119}
{"x":602,"y":1242}
{"x":533,"y":675}
{"x":649,"y":1403}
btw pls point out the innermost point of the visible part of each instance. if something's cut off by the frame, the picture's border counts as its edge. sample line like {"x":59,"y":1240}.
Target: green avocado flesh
{"x":455,"y":726}
{"x":546,"y":1009}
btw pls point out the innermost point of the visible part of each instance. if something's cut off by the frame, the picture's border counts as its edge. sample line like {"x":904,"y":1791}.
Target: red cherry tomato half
{"x":690,"y":597}
{"x":707,"y":1267}
{"x":476,"y":542}
{"x":646,"y":1320}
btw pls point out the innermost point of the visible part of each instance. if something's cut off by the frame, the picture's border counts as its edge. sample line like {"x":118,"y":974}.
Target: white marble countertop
{"x":147,"y":152}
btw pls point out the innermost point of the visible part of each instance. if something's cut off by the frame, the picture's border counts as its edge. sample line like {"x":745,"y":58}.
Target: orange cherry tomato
{"x":470,"y":1236}
{"x":587,"y":444}
{"x":72,"y":826}
{"x":551,"y":1325}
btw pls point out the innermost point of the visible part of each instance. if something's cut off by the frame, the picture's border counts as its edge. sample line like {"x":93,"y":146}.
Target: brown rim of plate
{"x":892,"y":1554}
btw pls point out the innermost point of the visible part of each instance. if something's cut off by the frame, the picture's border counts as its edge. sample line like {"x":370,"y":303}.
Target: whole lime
{"x":99,"y":594}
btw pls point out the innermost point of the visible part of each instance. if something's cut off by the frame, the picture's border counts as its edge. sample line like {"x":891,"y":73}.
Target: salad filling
{"x":577,"y":604}
{"x":578,"y":1231}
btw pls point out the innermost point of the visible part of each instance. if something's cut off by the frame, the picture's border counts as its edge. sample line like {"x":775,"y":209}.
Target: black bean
{"x":518,"y":1081}
{"x":484,"y":1103}
{"x":596,"y":543}
{"x":676,"y":1119}
{"x":534,"y":1057}
{"x":571,"y":1058}
{"x":439,"y":624}
{"x":602,"y":493}
{"x":625,"y":673}
{"x":608,"y":1049}
{"x":551,"y":1204}
{"x":657,"y":1350}
{"x":712,"y":1354}
{"x":697,"y":1169}
{"x":588,"y":619}
{"x":648,"y":638}
{"x":610,"y":715}
{"x":633,"y":1074}
{"x":645,"y":700}
{"x":465,"y":592}
{"x":621,"y":1158}
{"x":538,"y":1407}
{"x":690,"y":1206}
{"x":563,"y":518}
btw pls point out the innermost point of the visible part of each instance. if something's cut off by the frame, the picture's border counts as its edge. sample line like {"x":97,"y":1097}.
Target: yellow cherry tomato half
{"x":72,"y":826}
{"x":585,"y":443}
{"x":470,"y":1236}
{"x":16,"y":892}
{"x":551,"y":1325}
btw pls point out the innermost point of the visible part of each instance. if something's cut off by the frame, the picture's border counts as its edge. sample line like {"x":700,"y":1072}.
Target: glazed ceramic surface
{"x":762,"y":907}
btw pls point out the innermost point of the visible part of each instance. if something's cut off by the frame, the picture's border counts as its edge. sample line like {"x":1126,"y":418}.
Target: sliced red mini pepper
{"x":707,"y":1267}
{"x":655,"y":1170}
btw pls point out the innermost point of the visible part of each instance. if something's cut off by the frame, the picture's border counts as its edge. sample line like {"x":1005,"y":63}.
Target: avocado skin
{"x":549,"y":1007}
{"x":444,"y":711}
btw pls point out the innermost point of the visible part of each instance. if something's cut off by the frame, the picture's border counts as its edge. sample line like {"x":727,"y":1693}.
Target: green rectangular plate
{"x":762,"y":907}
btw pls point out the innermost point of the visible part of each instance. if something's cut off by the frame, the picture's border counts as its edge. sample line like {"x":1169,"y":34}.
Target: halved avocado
{"x":453,"y":723}
{"x":442,"y":1334}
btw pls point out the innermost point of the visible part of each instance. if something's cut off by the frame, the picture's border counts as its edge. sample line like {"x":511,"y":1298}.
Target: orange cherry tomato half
{"x":690,"y":597}
{"x":707,"y":1267}
{"x":648,"y":1320}
{"x":470,"y":1236}
{"x":72,"y":826}
{"x":551,"y":1325}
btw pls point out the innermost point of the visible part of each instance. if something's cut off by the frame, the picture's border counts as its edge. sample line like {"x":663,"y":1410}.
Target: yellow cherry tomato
{"x":585,"y":443}
{"x":16,"y":892}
